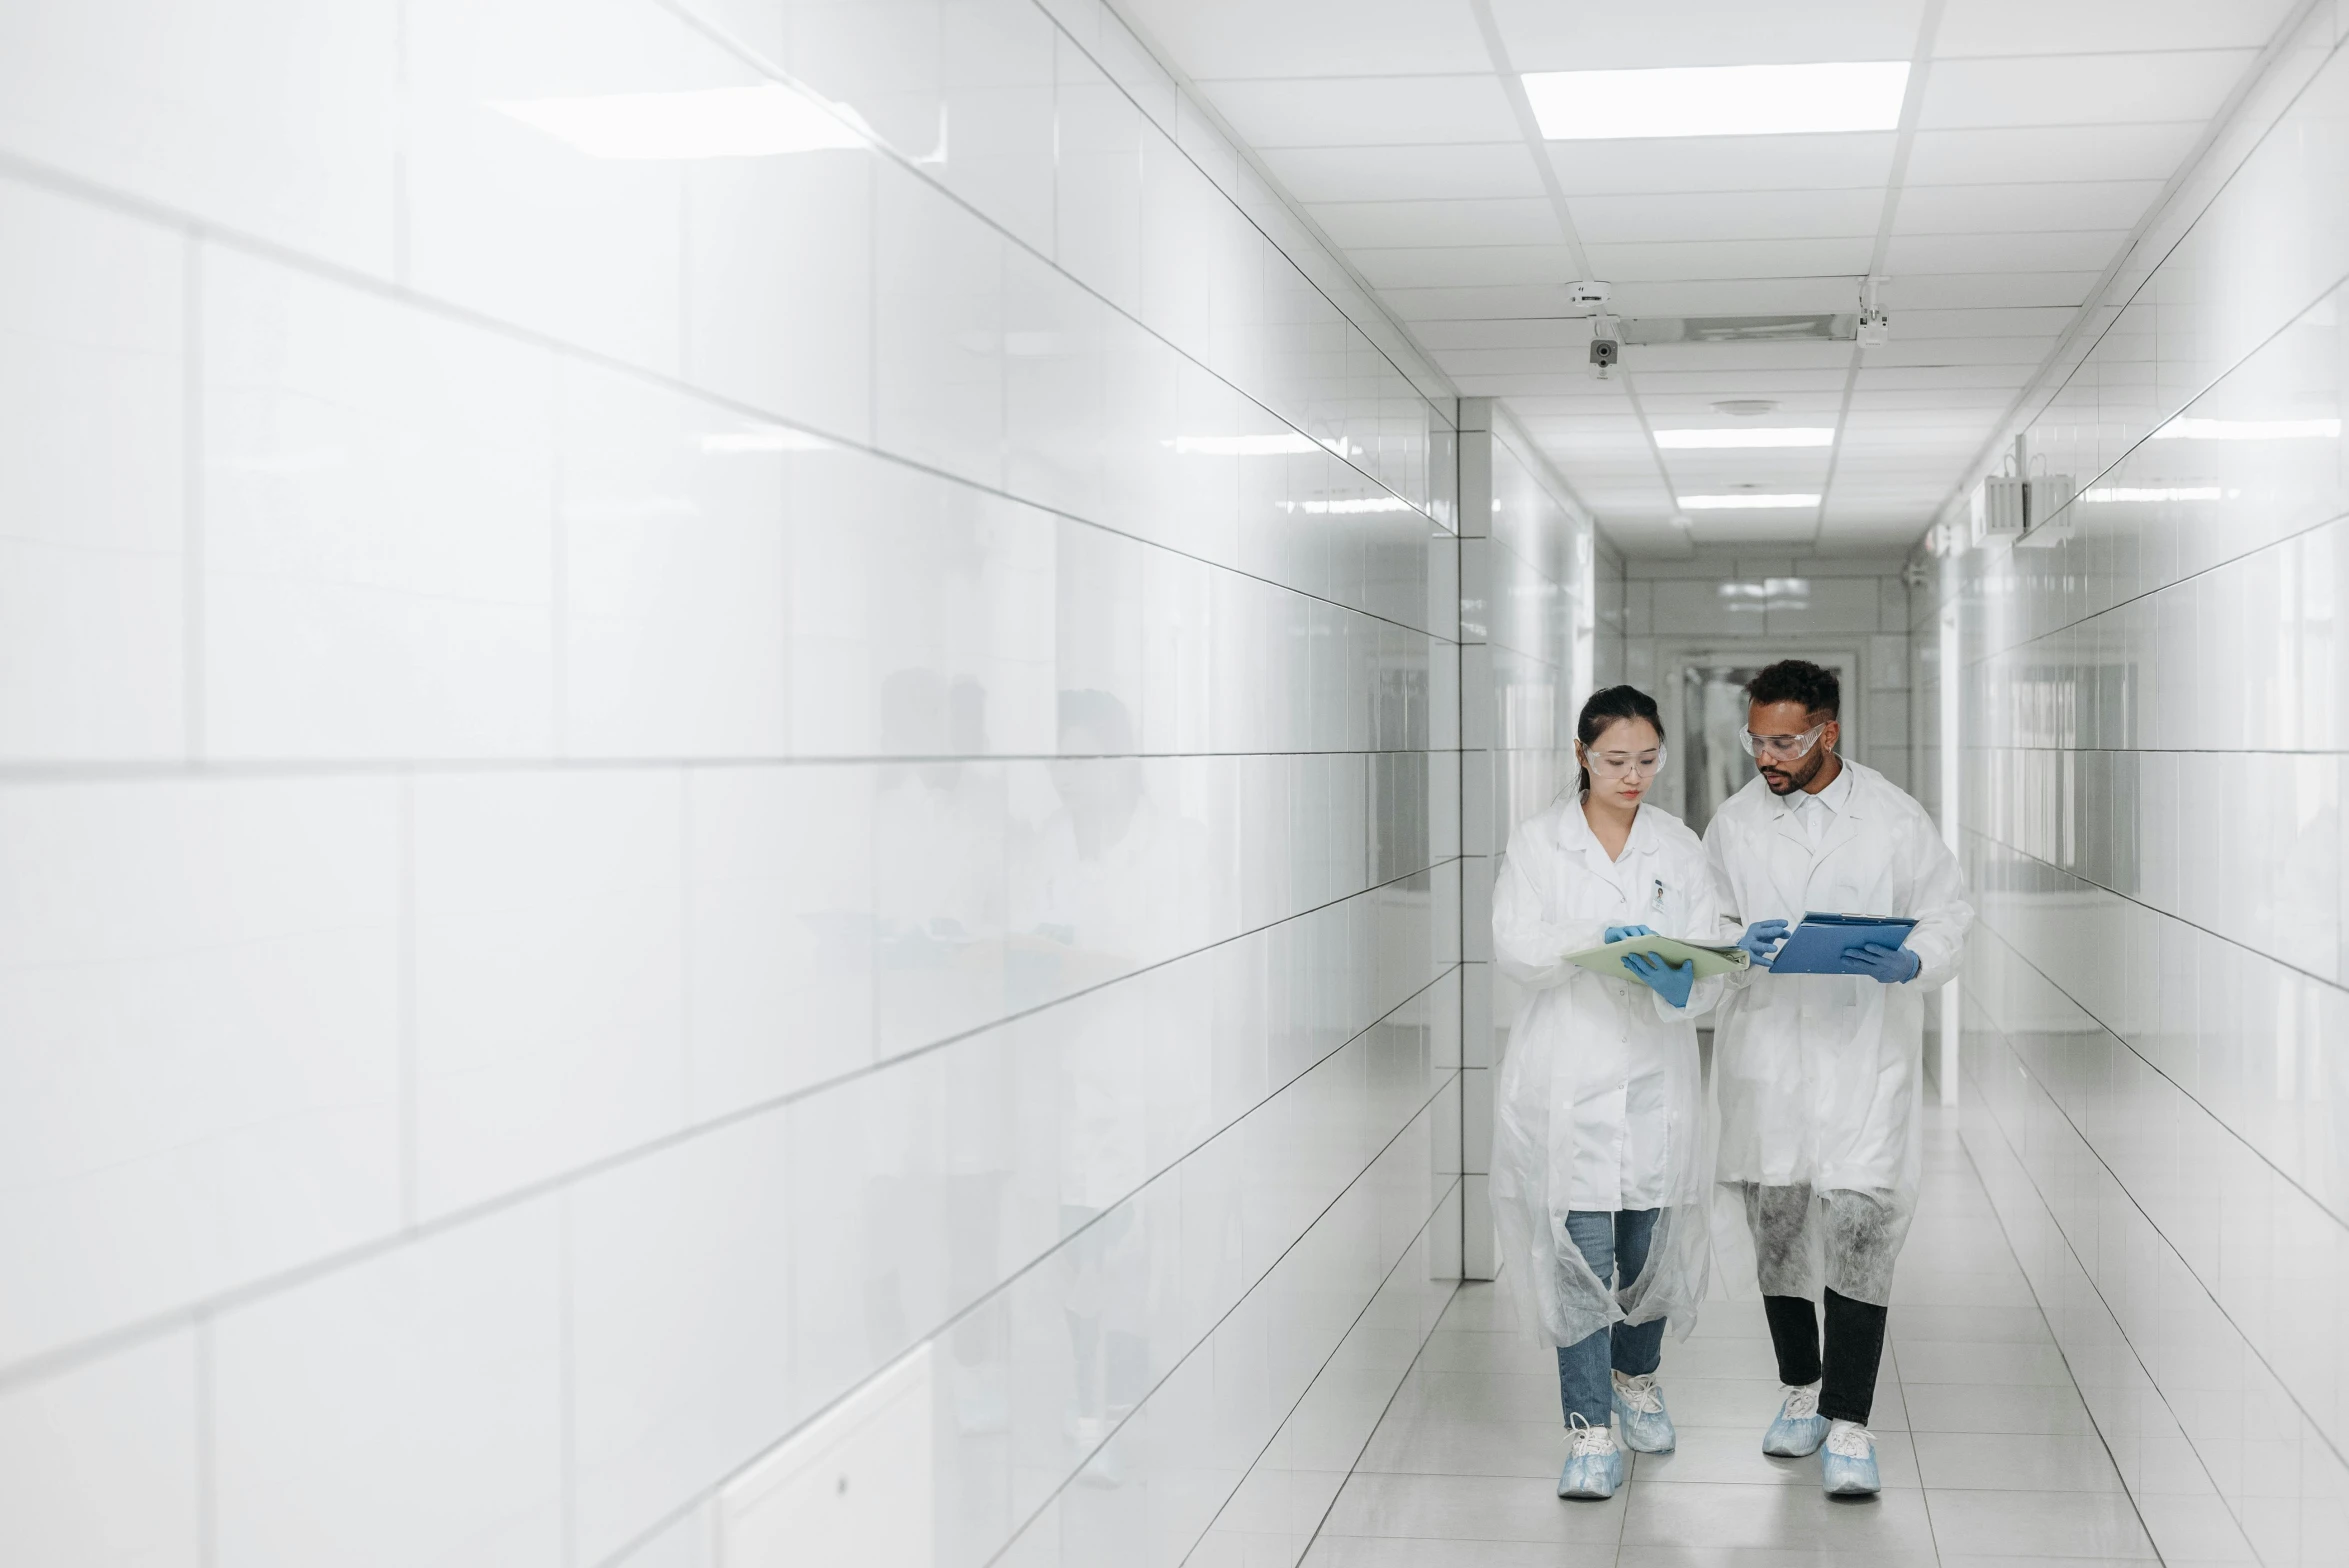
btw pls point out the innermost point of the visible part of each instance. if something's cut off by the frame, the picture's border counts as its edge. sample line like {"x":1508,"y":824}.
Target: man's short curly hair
{"x":1798,"y":680}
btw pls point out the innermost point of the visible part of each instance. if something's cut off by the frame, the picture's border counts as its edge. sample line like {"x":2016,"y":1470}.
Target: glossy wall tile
{"x":2150,"y":717}
{"x":640,"y":774}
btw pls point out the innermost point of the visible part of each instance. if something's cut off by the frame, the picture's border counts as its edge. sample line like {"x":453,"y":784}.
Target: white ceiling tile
{"x":1226,"y":38}
{"x":1988,"y":399}
{"x":1568,"y":332}
{"x":1544,"y":35}
{"x":1516,"y":386}
{"x":1365,"y":111}
{"x":1521,"y":220}
{"x":1794,"y":406}
{"x":2080,"y":89}
{"x":1462,"y":267}
{"x":1727,"y":215}
{"x":1723,"y":163}
{"x":1737,"y":297}
{"x":1920,"y":377}
{"x":1498,"y":302}
{"x":1919,"y":255}
{"x":2055,"y":205}
{"x":1741,"y":383}
{"x":1905,"y":350}
{"x":2016,"y":321}
{"x":1643,"y":358}
{"x":2054,"y":152}
{"x":1319,"y":174}
{"x":1959,"y":291}
{"x":2007,"y":27}
{"x":1458,"y":362}
{"x":1788,"y":527}
{"x":1740,"y":259}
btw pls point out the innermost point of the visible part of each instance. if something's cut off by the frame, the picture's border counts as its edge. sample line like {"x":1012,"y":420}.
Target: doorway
{"x":1713,"y":762}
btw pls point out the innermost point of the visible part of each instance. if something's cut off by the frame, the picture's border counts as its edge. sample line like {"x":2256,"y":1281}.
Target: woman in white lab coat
{"x":1600,"y":1169}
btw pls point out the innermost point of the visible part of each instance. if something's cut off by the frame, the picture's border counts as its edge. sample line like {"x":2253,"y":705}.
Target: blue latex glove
{"x":1672,"y":982}
{"x":1618,"y":933}
{"x":1760,"y":939}
{"x":1891,"y":965}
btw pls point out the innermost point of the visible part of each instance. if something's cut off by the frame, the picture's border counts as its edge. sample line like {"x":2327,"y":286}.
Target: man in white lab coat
{"x":1819,"y":1078}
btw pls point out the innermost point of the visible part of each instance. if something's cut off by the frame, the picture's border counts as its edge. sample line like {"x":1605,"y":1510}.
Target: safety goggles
{"x":1783,"y":748}
{"x":1624,"y":764}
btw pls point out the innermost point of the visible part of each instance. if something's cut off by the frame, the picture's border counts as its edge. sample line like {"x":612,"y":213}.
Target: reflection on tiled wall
{"x":1756,"y":608}
{"x":652,"y":754}
{"x":1539,"y":604}
{"x":2155,"y":712}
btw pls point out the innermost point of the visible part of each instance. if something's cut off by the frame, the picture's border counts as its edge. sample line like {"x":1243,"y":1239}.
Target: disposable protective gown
{"x":1819,"y":1078}
{"x":1599,"y":1104}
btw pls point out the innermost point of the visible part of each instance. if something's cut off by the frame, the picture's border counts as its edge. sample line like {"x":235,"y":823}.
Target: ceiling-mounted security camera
{"x":1603,"y":353}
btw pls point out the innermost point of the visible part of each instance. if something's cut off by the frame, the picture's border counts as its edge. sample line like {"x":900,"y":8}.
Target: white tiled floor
{"x":1986,"y":1450}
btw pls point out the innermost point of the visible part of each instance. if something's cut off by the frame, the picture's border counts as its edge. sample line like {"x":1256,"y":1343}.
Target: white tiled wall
{"x":2153,"y":721}
{"x":1540,"y":609}
{"x":631,"y":785}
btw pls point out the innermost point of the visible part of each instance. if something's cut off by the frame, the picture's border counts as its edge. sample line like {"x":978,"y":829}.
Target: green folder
{"x":1710,"y":961}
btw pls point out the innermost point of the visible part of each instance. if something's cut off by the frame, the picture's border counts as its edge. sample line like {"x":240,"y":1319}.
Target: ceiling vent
{"x":1839,"y":328}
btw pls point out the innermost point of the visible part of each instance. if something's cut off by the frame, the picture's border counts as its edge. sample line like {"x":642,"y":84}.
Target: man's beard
{"x":1796,"y":780}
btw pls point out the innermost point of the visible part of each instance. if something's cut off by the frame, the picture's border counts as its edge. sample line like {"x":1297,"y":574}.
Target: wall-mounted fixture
{"x":1875,"y":327}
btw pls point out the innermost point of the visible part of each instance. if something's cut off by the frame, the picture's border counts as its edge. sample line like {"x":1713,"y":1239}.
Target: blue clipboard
{"x":1817,"y":945}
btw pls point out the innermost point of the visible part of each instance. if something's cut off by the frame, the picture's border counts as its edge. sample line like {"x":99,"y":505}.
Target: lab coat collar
{"x":1578,"y":836}
{"x":1791,"y":859}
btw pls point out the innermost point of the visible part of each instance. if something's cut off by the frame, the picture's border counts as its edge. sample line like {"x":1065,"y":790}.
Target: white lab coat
{"x":1599,"y":1104}
{"x":1819,"y":1079}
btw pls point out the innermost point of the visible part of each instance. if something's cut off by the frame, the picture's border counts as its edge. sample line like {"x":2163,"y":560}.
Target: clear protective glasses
{"x":1612,"y":764}
{"x":1783,"y":748}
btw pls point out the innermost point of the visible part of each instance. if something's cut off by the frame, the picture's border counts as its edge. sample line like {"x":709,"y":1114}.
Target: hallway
{"x":756,"y":755}
{"x":1987,"y":1450}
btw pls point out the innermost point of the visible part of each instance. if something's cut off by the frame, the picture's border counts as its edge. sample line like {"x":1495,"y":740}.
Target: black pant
{"x":1855,"y":1345}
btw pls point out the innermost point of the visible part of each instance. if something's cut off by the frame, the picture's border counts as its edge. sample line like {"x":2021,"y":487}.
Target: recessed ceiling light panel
{"x":1718,"y":100}
{"x":1745,"y":501}
{"x":1767,"y":435}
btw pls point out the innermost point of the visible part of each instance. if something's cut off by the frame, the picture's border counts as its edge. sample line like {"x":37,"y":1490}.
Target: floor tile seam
{"x":1290,"y":1413}
{"x":2097,"y":1426}
{"x":2008,"y":942}
{"x":2129,"y":1193}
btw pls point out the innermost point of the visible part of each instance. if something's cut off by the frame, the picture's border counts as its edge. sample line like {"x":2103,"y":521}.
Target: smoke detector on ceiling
{"x":1746,"y":407}
{"x":1588,"y":294}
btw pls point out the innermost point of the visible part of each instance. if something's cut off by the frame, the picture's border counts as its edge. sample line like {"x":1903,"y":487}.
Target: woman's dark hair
{"x":1605,"y":708}
{"x":1797,"y":680}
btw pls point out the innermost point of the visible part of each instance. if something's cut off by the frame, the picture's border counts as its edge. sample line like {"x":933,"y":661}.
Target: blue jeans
{"x":1608,"y":1243}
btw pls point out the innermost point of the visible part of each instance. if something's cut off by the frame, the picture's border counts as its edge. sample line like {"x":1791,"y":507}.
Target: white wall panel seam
{"x":2217,"y":1304}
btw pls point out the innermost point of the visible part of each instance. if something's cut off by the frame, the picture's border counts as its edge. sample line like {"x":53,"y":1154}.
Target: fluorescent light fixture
{"x":2184,"y":429}
{"x":1350,"y":505}
{"x":706,"y":122}
{"x":1745,"y":502}
{"x":1718,"y":100}
{"x":1704,"y":440}
{"x":773,"y":439}
{"x":2104,"y":495}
